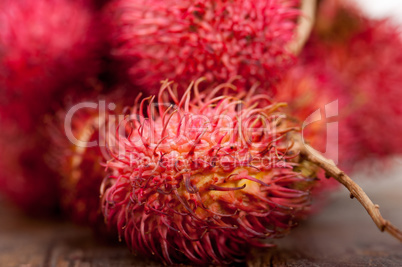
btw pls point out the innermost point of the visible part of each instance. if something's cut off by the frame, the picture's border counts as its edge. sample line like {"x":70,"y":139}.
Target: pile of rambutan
{"x":218,"y":40}
{"x":355,"y":61}
{"x":191,"y":129}
{"x":47,"y":47}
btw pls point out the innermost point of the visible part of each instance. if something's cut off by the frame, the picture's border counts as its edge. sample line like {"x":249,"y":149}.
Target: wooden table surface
{"x":341,"y":235}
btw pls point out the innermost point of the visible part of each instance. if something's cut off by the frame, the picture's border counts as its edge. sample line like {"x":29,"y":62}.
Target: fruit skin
{"x":357,"y":61}
{"x":78,"y":164}
{"x":183,"y":40}
{"x":45,"y":45}
{"x":80,"y":172}
{"x":25,"y":178}
{"x":192,"y":184}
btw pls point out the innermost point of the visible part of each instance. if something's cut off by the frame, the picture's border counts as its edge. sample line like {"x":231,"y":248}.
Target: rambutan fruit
{"x":205,"y":179}
{"x":79,"y":168}
{"x":78,"y":148}
{"x":44,"y":45}
{"x":25,"y":178}
{"x":357,"y":61}
{"x":28,"y":173}
{"x":30,"y":177}
{"x":219,"y":40}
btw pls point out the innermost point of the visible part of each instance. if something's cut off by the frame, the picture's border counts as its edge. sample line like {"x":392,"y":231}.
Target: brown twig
{"x":355,"y":190}
{"x":305,"y":25}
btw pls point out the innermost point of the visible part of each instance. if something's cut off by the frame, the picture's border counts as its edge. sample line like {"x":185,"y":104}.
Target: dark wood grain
{"x":341,"y":235}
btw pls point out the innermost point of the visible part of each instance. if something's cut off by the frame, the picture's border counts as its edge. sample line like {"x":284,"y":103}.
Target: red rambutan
{"x":78,"y":148}
{"x":79,"y":167}
{"x":219,"y":40}
{"x":44,"y":45}
{"x":204,"y":179}
{"x":25,"y":178}
{"x":357,"y":61}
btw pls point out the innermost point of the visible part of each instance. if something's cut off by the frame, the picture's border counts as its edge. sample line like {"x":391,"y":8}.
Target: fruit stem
{"x":355,"y":190}
{"x":305,"y":25}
